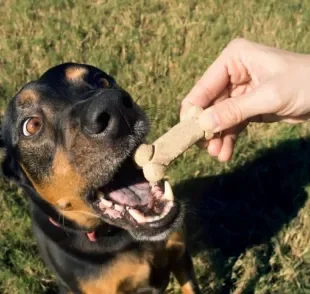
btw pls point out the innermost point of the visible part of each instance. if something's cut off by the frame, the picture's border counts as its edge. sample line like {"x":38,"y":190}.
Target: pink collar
{"x":90,"y":235}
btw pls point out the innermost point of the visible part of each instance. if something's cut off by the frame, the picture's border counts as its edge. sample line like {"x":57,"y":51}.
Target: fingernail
{"x":209,"y":121}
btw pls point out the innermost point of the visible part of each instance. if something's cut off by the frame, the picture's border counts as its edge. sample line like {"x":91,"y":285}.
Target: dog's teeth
{"x":105,"y":203}
{"x":119,"y":208}
{"x":150,"y":219}
{"x":168,"y":195}
{"x":137,"y":215}
{"x":168,"y":208}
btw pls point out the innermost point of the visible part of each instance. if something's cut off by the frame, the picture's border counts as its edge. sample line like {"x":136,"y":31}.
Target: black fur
{"x":65,"y":106}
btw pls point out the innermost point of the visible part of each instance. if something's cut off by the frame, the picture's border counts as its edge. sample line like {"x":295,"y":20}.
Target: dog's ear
{"x":6,"y":164}
{"x":10,"y":168}
{"x":9,"y":165}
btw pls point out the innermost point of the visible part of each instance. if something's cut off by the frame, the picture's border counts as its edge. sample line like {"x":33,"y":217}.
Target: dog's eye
{"x":103,"y":83}
{"x":31,"y":126}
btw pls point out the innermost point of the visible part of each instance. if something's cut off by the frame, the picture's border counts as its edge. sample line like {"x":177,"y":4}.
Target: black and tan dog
{"x":100,"y":227}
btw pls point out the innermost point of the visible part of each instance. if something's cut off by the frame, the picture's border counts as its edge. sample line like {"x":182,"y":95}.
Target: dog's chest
{"x":124,"y":274}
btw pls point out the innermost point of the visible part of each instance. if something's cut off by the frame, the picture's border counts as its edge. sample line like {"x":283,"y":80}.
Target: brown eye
{"x":103,"y":83}
{"x":31,"y":126}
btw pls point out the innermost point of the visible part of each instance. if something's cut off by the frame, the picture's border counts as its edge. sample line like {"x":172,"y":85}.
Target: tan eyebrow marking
{"x":27,"y":97}
{"x":75,"y":73}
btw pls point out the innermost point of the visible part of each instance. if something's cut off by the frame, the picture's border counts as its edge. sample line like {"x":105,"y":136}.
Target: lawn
{"x":249,"y":223}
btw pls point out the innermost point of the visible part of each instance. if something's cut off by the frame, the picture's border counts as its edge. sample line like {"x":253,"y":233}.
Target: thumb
{"x":265,"y":99}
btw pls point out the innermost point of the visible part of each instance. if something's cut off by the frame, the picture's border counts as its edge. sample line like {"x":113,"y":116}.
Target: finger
{"x":229,"y":139}
{"x":227,"y":149}
{"x":186,"y":105}
{"x":221,"y":96}
{"x":203,"y":143}
{"x":209,"y":86}
{"x":230,"y":112}
{"x":215,"y":146}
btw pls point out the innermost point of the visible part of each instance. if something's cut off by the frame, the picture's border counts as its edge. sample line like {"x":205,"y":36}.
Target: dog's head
{"x":70,"y":136}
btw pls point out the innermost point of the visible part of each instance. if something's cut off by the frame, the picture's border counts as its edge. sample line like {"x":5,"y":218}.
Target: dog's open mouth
{"x":130,"y":201}
{"x":140,"y":204}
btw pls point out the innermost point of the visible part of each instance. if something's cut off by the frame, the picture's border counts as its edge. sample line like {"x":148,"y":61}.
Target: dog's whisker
{"x":63,"y":223}
{"x":128,"y":124}
{"x":59,"y":218}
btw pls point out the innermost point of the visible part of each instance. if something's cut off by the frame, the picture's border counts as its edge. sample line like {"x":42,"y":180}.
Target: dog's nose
{"x":106,"y":113}
{"x":97,"y":120}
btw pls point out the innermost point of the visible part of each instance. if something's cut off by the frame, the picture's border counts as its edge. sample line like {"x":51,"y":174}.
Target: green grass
{"x":249,"y":223}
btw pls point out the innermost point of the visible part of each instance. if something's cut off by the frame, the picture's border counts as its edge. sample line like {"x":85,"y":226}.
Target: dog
{"x":100,"y":227}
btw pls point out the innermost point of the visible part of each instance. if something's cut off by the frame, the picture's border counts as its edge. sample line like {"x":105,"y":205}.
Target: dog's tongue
{"x":144,"y":203}
{"x":133,"y":195}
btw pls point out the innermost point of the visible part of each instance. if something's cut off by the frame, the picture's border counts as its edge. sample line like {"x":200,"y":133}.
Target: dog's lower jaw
{"x":164,"y":235}
{"x":156,"y":238}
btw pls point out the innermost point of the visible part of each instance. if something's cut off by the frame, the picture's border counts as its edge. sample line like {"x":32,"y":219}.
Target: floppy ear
{"x":9,"y":165}
{"x":10,"y":168}
{"x":5,"y":164}
{"x":6,"y":161}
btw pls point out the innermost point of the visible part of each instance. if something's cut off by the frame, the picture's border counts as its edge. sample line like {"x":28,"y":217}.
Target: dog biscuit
{"x":155,"y":158}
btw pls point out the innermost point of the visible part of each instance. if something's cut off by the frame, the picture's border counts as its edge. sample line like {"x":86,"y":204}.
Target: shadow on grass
{"x":246,"y":207}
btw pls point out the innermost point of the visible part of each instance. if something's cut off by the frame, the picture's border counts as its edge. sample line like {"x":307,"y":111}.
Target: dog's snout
{"x":106,"y":113}
{"x":97,"y":121}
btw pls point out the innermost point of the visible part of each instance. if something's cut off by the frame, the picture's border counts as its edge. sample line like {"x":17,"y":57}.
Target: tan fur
{"x":187,"y":288}
{"x":64,"y":185}
{"x":125,"y":274}
{"x":27,"y":97}
{"x":74,"y":73}
{"x":176,"y":247}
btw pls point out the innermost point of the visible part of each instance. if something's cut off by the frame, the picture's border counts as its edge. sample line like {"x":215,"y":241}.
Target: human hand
{"x":249,"y":82}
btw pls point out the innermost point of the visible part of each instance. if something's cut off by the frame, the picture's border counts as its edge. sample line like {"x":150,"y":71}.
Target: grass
{"x":249,"y":218}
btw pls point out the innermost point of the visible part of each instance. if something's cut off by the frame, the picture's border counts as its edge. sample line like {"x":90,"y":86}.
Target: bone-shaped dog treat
{"x":155,"y":158}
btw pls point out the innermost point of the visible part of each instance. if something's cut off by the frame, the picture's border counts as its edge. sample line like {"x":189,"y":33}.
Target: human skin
{"x":249,"y":82}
